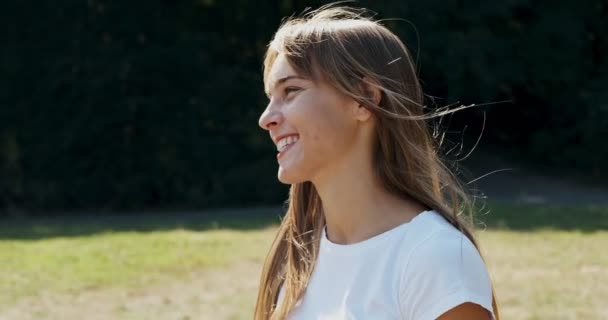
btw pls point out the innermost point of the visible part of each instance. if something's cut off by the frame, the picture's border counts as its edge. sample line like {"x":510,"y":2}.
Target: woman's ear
{"x":362,"y":113}
{"x":371,"y":90}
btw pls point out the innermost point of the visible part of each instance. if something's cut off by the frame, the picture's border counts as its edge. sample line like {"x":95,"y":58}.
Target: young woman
{"x":374,"y":227}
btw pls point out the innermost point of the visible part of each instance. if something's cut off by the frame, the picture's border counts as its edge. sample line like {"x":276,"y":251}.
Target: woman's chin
{"x":286,"y":177}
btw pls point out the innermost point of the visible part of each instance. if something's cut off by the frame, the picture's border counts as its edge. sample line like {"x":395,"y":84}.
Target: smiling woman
{"x":374,"y":227}
{"x":312,"y":120}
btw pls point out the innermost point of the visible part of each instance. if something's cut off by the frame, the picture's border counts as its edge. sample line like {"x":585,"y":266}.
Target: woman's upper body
{"x":346,"y":113}
{"x":418,"y":270}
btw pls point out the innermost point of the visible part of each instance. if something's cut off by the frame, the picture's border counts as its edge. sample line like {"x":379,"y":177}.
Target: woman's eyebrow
{"x":281,"y":81}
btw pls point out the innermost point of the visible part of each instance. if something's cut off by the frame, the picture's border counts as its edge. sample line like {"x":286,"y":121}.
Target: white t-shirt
{"x":415,"y":271}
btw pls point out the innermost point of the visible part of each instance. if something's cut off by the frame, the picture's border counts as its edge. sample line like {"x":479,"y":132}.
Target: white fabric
{"x":415,"y":271}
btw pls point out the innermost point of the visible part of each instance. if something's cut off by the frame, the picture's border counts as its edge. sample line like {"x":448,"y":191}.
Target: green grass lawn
{"x":546,"y":263}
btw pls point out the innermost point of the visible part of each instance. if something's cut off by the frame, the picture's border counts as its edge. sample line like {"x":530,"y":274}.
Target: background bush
{"x":128,"y":104}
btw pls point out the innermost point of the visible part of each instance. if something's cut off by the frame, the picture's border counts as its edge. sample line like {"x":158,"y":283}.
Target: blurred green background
{"x":122,"y":105}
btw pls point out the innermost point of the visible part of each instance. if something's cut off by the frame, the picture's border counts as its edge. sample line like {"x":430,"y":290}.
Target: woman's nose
{"x":270,"y":118}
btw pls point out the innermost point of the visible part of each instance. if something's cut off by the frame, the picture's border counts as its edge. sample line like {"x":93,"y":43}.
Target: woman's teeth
{"x":283,"y":143}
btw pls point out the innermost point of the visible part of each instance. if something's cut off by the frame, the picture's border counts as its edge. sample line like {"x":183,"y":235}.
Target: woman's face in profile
{"x":316,"y":117}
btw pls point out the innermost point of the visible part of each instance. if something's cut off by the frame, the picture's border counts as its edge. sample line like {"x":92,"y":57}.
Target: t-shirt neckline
{"x":327,"y":245}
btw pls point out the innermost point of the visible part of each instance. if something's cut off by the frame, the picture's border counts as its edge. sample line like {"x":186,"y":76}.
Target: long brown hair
{"x":345,"y":47}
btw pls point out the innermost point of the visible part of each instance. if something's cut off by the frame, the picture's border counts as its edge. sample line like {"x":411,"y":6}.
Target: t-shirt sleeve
{"x":442,"y":272}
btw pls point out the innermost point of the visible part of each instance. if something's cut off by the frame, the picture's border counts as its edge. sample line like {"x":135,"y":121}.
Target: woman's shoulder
{"x":442,"y":265}
{"x":433,"y":241}
{"x":429,"y":228}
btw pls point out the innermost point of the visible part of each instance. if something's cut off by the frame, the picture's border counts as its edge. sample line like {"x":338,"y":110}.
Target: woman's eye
{"x":289,"y":90}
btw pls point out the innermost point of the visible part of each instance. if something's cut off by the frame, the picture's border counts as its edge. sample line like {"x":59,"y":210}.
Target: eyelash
{"x":289,"y":90}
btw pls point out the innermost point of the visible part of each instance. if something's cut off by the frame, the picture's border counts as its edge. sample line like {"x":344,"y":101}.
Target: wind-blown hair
{"x":345,"y":48}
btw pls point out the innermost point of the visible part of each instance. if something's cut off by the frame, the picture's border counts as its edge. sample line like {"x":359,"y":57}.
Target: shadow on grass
{"x":494,"y":216}
{"x":36,"y":228}
{"x":527,"y":217}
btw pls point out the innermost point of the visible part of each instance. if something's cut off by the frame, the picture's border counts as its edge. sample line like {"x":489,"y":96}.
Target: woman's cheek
{"x":298,"y":115}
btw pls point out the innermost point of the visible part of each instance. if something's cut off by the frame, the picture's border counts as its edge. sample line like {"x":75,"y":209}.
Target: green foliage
{"x":548,"y":60}
{"x":128,"y":104}
{"x":124,"y":104}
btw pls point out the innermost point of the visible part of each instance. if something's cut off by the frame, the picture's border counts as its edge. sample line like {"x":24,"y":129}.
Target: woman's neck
{"x":357,"y":207}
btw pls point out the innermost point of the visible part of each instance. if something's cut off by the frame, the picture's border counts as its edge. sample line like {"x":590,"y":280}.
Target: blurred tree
{"x":107,"y":103}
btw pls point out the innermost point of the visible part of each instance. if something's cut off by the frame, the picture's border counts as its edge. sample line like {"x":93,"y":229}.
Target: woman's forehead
{"x":280,"y":72}
{"x":280,"y":68}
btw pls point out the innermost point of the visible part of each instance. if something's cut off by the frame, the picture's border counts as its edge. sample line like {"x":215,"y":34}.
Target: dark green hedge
{"x":549,"y":59}
{"x":127,"y":104}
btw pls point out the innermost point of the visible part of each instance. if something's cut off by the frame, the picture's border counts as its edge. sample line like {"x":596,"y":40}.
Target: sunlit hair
{"x":345,"y":47}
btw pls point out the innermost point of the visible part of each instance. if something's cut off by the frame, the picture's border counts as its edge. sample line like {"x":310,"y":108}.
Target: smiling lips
{"x":285,"y":144}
